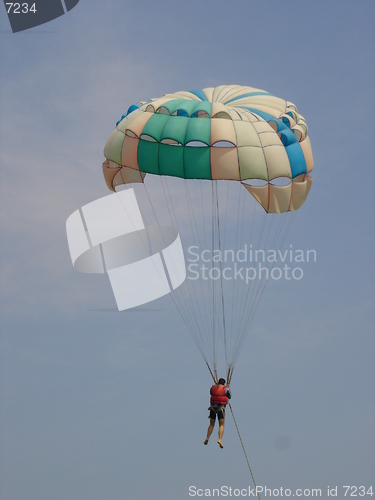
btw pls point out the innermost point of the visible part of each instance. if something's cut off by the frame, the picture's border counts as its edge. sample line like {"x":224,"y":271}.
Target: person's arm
{"x":228,"y":393}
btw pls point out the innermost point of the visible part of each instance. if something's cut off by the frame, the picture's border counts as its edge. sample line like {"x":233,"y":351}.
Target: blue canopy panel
{"x":199,"y":93}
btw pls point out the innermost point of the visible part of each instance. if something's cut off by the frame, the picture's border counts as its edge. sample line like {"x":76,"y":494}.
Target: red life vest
{"x":218,"y":396}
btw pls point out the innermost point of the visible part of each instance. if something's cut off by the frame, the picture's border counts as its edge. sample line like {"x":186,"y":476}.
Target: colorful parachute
{"x":228,"y":133}
{"x":244,"y":134}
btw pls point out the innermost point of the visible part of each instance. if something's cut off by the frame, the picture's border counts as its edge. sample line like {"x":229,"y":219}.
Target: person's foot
{"x":205,"y":441}
{"x":220,"y":444}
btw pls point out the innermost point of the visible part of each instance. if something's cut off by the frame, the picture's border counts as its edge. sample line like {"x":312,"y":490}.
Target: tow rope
{"x":243,"y":448}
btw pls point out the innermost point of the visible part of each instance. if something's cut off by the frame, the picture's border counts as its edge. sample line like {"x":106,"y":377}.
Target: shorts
{"x":217,"y":410}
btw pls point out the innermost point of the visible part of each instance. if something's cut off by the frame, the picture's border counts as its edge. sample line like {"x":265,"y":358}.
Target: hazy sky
{"x":97,"y":404}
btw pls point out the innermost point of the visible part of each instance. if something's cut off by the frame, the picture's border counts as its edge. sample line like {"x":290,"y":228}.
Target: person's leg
{"x":210,"y":429}
{"x":221,"y":432}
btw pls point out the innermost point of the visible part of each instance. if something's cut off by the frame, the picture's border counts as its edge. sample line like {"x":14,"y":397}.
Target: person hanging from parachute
{"x":220,"y":394}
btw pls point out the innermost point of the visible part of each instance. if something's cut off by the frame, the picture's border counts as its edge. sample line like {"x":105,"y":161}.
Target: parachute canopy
{"x":187,"y":156}
{"x":229,"y":132}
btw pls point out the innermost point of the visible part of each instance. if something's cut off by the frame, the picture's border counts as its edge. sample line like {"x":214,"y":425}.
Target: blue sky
{"x":100,"y":404}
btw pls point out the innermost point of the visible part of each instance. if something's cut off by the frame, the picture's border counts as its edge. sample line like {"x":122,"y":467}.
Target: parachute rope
{"x":242,"y":297}
{"x":226,"y":317}
{"x":248,"y":321}
{"x":234,"y":288}
{"x":192,"y":219}
{"x":176,"y":304}
{"x":184,"y":315}
{"x":221,"y":275}
{"x":214,"y":313}
{"x":190,"y":293}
